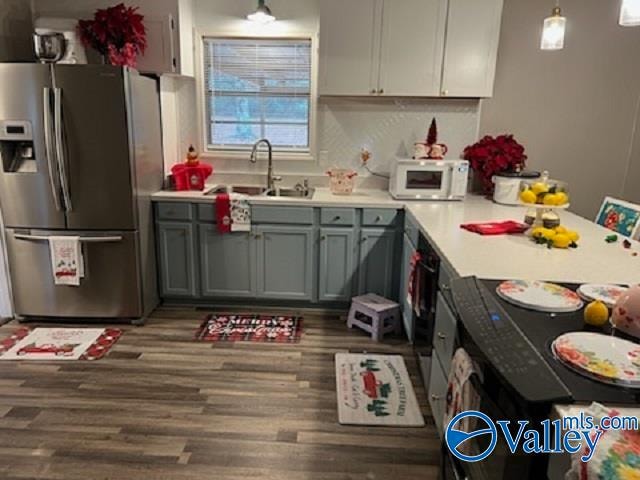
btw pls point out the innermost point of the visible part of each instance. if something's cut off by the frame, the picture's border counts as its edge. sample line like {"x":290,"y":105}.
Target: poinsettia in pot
{"x":494,"y":155}
{"x":117,"y":33}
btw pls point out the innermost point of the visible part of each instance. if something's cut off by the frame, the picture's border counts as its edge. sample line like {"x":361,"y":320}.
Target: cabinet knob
{"x":323,"y":237}
{"x":378,"y":218}
{"x":373,"y":90}
{"x":435,"y":397}
{"x":445,"y":287}
{"x":257,"y":235}
{"x":336,"y":218}
{"x":445,"y":93}
{"x":442,"y":336}
{"x":364,"y":239}
{"x":381,"y":91}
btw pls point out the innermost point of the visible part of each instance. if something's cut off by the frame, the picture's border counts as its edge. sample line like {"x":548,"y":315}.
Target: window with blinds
{"x":257,"y":88}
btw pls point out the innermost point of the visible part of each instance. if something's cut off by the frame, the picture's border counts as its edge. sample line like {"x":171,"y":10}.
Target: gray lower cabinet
{"x":437,"y":393}
{"x":226,"y":263}
{"x":377,"y":257}
{"x":284,"y":257}
{"x":177,"y":261}
{"x":337,"y":264}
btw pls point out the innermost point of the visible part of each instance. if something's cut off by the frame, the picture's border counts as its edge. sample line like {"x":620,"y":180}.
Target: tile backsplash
{"x":385,"y":126}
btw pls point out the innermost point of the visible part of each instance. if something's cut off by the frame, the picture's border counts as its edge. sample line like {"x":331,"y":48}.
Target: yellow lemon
{"x":539,"y":187}
{"x":561,"y":198}
{"x":596,"y":314}
{"x":561,"y":240}
{"x":550,"y":199}
{"x":560,"y":229}
{"x":538,"y":232}
{"x":574,"y":236}
{"x":527,"y":196}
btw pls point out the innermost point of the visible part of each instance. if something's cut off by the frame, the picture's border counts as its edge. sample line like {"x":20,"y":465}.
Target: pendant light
{"x":553,"y":31}
{"x":262,"y":14}
{"x":630,"y":13}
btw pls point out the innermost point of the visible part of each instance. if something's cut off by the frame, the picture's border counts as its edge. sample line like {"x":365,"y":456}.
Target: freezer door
{"x":109,"y":289}
{"x":29,"y":189}
{"x":95,"y":152}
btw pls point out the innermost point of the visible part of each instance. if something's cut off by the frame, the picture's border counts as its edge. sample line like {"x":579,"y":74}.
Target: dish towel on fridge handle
{"x":67,"y":262}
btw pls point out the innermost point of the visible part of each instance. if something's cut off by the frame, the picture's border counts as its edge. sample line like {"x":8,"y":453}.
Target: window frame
{"x":243,"y":152}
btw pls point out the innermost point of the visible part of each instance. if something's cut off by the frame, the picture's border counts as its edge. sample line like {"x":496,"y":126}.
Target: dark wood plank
{"x":162,"y":406}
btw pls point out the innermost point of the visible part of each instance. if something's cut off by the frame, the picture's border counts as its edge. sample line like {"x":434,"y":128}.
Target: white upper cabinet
{"x":417,"y":48}
{"x":349,"y":46}
{"x":473,"y":34}
{"x":412,"y":47}
{"x":159,"y":57}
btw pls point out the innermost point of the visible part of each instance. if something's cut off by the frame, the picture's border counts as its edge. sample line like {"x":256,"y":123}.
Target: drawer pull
{"x":435,"y":397}
{"x":336,"y":218}
{"x":323,"y":237}
{"x":442,"y":336}
{"x":445,"y":287}
{"x":378,"y":218}
{"x":257,"y":235}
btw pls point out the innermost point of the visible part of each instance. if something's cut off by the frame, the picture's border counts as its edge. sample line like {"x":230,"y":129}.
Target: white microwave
{"x":429,"y":179}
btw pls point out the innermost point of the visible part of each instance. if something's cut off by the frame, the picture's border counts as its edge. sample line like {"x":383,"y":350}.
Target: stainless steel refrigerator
{"x":81,"y":153}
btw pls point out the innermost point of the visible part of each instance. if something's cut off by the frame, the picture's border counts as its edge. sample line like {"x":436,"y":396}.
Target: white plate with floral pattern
{"x":540,"y":296}
{"x":600,"y":357}
{"x":607,"y":294}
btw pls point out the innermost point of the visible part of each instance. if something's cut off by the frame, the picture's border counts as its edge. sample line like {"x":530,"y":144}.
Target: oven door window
{"x":424,"y":180}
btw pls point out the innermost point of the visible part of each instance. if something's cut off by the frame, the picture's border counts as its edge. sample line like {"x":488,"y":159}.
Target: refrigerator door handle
{"x":53,"y":170}
{"x":42,"y":238}
{"x":62,"y":163}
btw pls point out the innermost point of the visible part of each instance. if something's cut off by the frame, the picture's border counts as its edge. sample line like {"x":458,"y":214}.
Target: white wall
{"x":386,"y":127}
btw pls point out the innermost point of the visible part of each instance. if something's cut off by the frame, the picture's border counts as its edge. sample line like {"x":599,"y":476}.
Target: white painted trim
{"x":200,"y":96}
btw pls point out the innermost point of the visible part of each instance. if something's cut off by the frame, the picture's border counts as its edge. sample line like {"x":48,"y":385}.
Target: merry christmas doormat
{"x":375,"y":390}
{"x":59,"y":343}
{"x":250,"y":328}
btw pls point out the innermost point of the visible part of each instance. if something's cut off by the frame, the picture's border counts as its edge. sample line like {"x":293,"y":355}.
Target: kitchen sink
{"x":292,"y":192}
{"x":250,"y":190}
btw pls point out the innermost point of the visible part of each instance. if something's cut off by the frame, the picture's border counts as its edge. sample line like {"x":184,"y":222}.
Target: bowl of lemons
{"x":544,"y":193}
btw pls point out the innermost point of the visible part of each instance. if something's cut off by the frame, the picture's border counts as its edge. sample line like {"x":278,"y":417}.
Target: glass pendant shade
{"x":262,"y":14}
{"x":630,"y":13}
{"x":553,"y":31}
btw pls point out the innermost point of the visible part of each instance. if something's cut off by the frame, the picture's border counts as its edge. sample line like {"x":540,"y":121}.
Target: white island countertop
{"x":488,"y":257}
{"x":517,"y":256}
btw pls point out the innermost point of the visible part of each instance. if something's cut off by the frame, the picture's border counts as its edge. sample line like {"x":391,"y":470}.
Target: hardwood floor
{"x":163,"y":407}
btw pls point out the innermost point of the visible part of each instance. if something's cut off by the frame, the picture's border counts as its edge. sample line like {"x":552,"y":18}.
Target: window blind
{"x":257,"y":88}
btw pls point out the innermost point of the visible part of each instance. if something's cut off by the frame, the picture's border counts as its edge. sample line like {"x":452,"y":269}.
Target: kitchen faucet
{"x":271,"y":178}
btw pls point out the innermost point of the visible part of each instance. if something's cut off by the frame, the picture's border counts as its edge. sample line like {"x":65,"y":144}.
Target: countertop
{"x":321,"y":198}
{"x":497,"y":257}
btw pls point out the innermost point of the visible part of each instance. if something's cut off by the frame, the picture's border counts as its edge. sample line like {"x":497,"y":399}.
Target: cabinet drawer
{"x":445,"y":333}
{"x":378,"y":217}
{"x":297,"y":215}
{"x":437,"y":393}
{"x":337,"y":216}
{"x":174,"y":211}
{"x":411,"y":230}
{"x":206,"y":212}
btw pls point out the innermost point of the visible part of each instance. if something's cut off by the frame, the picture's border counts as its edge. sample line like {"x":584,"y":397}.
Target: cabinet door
{"x":285,"y":259}
{"x":377,"y":253}
{"x":405,"y":302}
{"x":159,"y":56}
{"x":226,"y":263}
{"x":177,"y":262}
{"x":337,"y":264}
{"x":416,"y":26}
{"x":349,"y":46}
{"x":473,"y":33}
